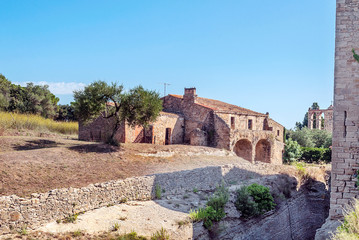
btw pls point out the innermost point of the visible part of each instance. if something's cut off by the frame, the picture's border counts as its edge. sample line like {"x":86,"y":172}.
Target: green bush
{"x":327,"y":155}
{"x":315,"y":155}
{"x":219,"y":198}
{"x":214,"y":212}
{"x":254,"y":200}
{"x":292,"y":151}
{"x":245,"y":204}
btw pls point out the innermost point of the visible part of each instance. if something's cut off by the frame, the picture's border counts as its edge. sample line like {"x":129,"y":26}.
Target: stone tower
{"x":345,"y":157}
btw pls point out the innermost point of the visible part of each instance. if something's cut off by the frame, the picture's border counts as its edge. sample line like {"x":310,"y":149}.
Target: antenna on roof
{"x":164,"y":88}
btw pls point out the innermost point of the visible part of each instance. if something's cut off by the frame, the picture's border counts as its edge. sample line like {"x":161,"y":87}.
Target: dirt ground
{"x":30,"y":164}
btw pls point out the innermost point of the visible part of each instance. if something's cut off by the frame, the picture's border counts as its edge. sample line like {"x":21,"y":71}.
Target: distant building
{"x":189,"y":119}
{"x":323,"y":118}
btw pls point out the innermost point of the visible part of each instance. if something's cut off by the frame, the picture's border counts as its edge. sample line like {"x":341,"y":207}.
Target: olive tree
{"x":137,"y":106}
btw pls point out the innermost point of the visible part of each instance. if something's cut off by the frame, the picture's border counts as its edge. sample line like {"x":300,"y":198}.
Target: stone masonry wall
{"x":40,"y":208}
{"x":345,"y":156}
{"x":100,"y":129}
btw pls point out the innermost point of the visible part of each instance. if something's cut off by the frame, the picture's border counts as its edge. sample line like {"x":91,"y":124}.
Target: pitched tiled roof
{"x":221,"y":106}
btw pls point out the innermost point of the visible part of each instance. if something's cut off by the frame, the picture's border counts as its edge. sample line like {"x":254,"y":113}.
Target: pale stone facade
{"x":321,"y":115}
{"x":190,"y":119}
{"x":345,"y":156}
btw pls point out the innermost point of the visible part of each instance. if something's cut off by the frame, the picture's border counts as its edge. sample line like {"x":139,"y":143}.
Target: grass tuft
{"x":350,"y":227}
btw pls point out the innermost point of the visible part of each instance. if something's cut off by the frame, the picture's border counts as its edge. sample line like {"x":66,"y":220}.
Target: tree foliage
{"x":292,"y":151}
{"x":311,"y":137}
{"x":137,"y":107}
{"x":65,"y":113}
{"x":32,"y":99}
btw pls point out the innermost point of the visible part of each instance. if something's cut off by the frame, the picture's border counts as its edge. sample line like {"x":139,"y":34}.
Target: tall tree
{"x":137,"y":107}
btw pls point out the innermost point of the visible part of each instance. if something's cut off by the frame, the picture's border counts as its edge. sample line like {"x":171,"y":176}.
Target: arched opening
{"x":263,"y":151}
{"x":243,"y":149}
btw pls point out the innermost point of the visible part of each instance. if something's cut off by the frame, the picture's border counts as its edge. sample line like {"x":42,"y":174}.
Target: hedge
{"x":315,"y":155}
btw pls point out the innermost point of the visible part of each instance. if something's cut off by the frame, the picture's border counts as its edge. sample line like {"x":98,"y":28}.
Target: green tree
{"x":65,"y":113}
{"x":315,"y":106}
{"x":4,"y":92}
{"x":321,"y":138}
{"x":303,"y":137}
{"x":137,"y":107}
{"x":292,"y":151}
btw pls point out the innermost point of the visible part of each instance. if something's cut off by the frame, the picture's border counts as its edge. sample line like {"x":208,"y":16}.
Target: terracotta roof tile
{"x":221,"y":106}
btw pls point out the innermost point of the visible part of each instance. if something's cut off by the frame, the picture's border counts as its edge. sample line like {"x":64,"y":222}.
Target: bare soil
{"x":30,"y":164}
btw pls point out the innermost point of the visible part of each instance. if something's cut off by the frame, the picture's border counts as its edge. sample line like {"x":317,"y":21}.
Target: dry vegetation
{"x":35,"y":122}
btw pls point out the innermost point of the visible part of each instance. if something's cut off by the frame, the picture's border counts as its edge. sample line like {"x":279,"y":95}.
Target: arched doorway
{"x":263,"y":151}
{"x":243,"y":149}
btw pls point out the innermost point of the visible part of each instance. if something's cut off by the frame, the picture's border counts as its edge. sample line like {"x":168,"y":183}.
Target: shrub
{"x":71,"y":218}
{"x":197,"y":215}
{"x":261,"y":195}
{"x":327,"y":155}
{"x":254,"y":200}
{"x":219,"y":198}
{"x":245,"y":203}
{"x":292,"y":151}
{"x":214,"y":212}
{"x":158,"y":191}
{"x":312,"y":155}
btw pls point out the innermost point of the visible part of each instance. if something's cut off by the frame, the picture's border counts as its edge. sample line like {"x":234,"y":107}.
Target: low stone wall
{"x":17,"y":212}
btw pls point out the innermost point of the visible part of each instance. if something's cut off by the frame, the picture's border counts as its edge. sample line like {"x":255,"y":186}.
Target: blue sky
{"x":269,"y":56}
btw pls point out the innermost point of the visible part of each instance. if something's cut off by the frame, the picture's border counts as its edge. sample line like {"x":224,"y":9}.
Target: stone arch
{"x":263,"y":151}
{"x":243,"y":149}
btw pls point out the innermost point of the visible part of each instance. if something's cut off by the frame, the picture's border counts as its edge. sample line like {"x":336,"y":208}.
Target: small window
{"x":250,"y":124}
{"x":233,"y":123}
{"x":278,"y":132}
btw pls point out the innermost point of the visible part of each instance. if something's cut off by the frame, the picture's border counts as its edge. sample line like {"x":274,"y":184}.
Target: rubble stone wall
{"x":40,"y":208}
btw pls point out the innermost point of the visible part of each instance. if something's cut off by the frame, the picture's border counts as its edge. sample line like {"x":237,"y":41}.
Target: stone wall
{"x":196,"y":116}
{"x":16,"y":212}
{"x":100,"y":130}
{"x":318,"y":115}
{"x":345,"y":156}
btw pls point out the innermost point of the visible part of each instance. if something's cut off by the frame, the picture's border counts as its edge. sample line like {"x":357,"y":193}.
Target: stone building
{"x":345,"y":156}
{"x":193,"y":120}
{"x":323,"y":118}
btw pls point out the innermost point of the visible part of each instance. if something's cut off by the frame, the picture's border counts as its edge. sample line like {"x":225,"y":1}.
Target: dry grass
{"x":35,"y":122}
{"x":350,"y":227}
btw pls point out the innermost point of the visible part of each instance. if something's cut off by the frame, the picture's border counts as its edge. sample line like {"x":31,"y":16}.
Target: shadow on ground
{"x":298,"y":213}
{"x":94,"y":148}
{"x":36,"y":144}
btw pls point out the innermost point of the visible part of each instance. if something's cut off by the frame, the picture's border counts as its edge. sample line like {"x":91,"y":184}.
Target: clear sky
{"x":272,"y":56}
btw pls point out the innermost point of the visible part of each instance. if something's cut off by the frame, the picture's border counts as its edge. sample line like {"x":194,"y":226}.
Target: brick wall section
{"x":346,"y":112}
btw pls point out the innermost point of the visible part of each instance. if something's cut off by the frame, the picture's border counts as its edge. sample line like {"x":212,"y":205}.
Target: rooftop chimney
{"x":190,"y":94}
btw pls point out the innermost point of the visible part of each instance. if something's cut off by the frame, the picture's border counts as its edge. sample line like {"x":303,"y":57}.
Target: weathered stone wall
{"x":16,"y":212}
{"x":345,"y":156}
{"x":229,"y":136}
{"x":318,"y":115}
{"x":100,"y":129}
{"x":172,"y":121}
{"x":196,"y":116}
